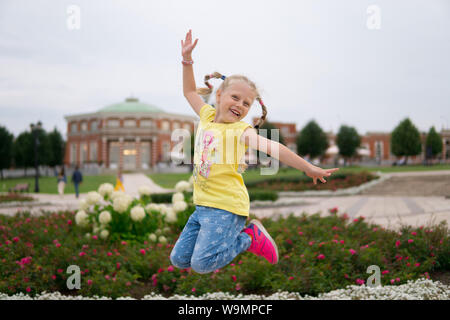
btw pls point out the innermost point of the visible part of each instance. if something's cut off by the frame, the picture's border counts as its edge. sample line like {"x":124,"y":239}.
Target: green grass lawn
{"x":168,"y":180}
{"x":49,"y":184}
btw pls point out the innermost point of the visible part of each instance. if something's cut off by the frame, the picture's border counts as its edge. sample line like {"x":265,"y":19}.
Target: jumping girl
{"x":215,"y":233}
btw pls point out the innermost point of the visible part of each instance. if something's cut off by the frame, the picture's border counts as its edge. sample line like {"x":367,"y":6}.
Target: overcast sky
{"x":337,"y":62}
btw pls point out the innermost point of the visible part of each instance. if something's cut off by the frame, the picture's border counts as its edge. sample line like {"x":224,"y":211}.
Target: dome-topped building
{"x":130,"y":134}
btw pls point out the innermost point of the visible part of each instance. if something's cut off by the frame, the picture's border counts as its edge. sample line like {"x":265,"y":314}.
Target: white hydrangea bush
{"x":107,"y":213}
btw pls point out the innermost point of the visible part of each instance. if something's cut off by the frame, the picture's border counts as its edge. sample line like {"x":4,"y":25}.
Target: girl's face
{"x":234,"y":102}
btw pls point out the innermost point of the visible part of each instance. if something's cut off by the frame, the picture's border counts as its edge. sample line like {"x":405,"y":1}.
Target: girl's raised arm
{"x":189,"y":87}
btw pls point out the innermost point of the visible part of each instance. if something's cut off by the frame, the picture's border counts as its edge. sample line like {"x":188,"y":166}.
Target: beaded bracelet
{"x":187,"y":62}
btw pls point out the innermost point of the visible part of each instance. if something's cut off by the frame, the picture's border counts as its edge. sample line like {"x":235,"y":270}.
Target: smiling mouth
{"x":237,"y":114}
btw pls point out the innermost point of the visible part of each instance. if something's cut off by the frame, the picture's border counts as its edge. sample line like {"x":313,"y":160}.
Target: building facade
{"x":131,"y":135}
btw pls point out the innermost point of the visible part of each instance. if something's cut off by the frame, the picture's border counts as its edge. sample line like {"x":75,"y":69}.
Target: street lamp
{"x":35,"y":132}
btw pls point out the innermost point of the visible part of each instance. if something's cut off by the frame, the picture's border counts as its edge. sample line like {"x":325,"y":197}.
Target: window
{"x":83,"y":152}
{"x":84,"y":126}
{"x":166,"y":151}
{"x":73,"y":153}
{"x":165,"y":125}
{"x":285,"y":131}
{"x":94,"y":125}
{"x":145,"y":123}
{"x":129,"y":123}
{"x":73,"y":127}
{"x":93,"y":151}
{"x":175,"y":125}
{"x":187,"y":126}
{"x":113,"y":123}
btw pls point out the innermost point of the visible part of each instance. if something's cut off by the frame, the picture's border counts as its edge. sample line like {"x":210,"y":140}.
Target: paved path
{"x":386,"y":210}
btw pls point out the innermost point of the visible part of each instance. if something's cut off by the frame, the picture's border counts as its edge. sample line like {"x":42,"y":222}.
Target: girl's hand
{"x":187,"y":46}
{"x":318,"y":173}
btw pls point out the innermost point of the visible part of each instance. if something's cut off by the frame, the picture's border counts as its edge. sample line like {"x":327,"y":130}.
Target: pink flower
{"x":53,"y":277}
{"x":109,"y":254}
{"x":193,"y":290}
{"x":124,"y":243}
{"x":300,"y":233}
{"x":346,"y":276}
{"x":392,"y":281}
{"x":69,"y":222}
{"x":397,"y":243}
{"x":238,"y":287}
{"x":128,"y":283}
{"x":375,"y":229}
{"x":342,"y":241}
{"x":234,"y":277}
{"x":58,"y":245}
{"x":28,"y":289}
{"x":170,"y":268}
{"x":311,"y":243}
{"x":397,"y":279}
{"x":321,"y":257}
{"x":82,"y":253}
{"x":59,"y":270}
{"x":118,"y":265}
{"x":142,"y":251}
{"x":335,"y":241}
{"x":335,"y":228}
{"x":410,"y":240}
{"x":95,"y":237}
{"x":16,"y":239}
{"x":414,"y":233}
{"x":89,"y":282}
{"x":291,"y":278}
{"x":355,"y":220}
{"x":360,"y":281}
{"x":385,"y":271}
{"x":352,"y":252}
{"x":417,"y":264}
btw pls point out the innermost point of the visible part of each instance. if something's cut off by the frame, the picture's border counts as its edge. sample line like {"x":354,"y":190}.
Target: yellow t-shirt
{"x":218,"y":158}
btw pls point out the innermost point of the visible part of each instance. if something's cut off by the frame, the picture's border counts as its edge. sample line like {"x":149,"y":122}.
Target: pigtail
{"x":206,"y":92}
{"x":261,"y":120}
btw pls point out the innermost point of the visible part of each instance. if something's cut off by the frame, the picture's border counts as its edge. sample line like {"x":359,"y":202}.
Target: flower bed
{"x":317,"y":255}
{"x":14,"y":197}
{"x":304,"y":183}
{"x":421,"y":289}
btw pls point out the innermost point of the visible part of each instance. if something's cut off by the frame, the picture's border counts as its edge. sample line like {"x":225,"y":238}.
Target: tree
{"x":348,"y":141}
{"x":57,"y":145}
{"x":23,"y":150}
{"x":433,"y":144}
{"x":312,"y":140}
{"x":405,"y":140}
{"x":6,"y":149}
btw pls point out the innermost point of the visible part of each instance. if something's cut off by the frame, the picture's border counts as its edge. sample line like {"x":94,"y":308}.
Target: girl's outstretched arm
{"x":279,"y":151}
{"x":189,"y":87}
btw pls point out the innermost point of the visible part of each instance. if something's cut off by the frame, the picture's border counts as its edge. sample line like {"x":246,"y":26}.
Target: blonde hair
{"x":226,"y":83}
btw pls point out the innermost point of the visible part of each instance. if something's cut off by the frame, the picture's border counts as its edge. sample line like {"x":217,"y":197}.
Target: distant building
{"x":130,"y":134}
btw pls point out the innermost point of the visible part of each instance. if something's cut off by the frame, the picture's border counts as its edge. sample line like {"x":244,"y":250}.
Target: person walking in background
{"x":77,"y":178}
{"x":62,"y":180}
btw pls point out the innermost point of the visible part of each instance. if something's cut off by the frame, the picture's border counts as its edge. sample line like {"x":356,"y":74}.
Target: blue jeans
{"x":76,"y":189}
{"x":211,"y":239}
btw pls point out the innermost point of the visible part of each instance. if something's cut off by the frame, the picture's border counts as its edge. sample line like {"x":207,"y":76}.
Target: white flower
{"x":81,"y":218}
{"x":104,"y":234}
{"x":106,"y":189}
{"x":95,"y":230}
{"x":93,"y":198}
{"x":137,"y":213}
{"x":182,"y":186}
{"x":166,"y":229}
{"x":116,"y":194}
{"x":152,"y":206}
{"x":158,"y":232}
{"x":179,"y":206}
{"x":144,"y":191}
{"x":104,"y":217}
{"x":163,"y":209}
{"x":177,"y":197}
{"x":88,"y":235}
{"x":162,"y":239}
{"x":171,"y":216}
{"x":121,"y":203}
{"x":152,"y":237}
{"x":83,"y":204}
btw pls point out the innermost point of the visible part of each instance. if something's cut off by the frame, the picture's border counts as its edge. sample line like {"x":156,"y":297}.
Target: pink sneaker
{"x":262,"y":242}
